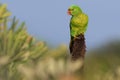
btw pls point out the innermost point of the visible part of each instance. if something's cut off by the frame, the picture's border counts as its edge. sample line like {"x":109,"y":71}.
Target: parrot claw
{"x":81,"y":36}
{"x":76,"y":38}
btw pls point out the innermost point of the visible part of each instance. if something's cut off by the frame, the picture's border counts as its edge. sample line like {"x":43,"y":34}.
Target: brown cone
{"x":78,"y":47}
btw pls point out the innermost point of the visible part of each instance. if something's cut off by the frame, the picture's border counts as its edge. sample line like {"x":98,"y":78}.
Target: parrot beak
{"x":69,"y":12}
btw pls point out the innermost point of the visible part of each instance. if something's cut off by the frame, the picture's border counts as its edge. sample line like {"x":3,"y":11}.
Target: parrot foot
{"x":81,"y":36}
{"x":76,"y":38}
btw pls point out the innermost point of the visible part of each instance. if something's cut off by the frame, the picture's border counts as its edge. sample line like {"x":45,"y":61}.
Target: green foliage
{"x":4,"y":13}
{"x":17,"y":46}
{"x":103,"y":63}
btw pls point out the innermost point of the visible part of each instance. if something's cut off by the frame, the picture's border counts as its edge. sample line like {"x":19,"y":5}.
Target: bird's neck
{"x":77,"y":15}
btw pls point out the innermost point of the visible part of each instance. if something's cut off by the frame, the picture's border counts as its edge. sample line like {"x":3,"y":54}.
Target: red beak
{"x":69,"y":12}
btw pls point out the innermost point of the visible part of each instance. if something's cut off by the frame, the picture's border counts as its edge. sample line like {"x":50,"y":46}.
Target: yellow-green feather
{"x":78,"y":24}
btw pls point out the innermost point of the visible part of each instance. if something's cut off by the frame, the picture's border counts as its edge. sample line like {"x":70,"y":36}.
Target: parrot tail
{"x":78,"y":47}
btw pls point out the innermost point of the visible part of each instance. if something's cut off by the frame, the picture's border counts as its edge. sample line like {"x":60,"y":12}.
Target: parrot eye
{"x":69,"y":9}
{"x":72,"y":9}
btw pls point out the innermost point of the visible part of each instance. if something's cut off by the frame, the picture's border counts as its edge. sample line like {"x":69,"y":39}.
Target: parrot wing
{"x":83,"y":20}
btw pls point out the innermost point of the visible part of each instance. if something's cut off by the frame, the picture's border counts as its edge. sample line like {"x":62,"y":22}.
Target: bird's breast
{"x":75,"y":21}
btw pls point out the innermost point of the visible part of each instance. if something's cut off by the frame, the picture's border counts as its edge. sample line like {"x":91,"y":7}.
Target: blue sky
{"x":48,"y":19}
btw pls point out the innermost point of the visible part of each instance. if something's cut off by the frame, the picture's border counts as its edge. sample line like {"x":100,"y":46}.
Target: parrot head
{"x":74,"y":10}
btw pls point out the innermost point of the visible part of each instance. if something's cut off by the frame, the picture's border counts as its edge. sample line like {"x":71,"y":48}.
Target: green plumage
{"x":78,"y":22}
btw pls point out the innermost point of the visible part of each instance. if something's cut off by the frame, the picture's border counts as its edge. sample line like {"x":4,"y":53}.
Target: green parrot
{"x":78,"y":24}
